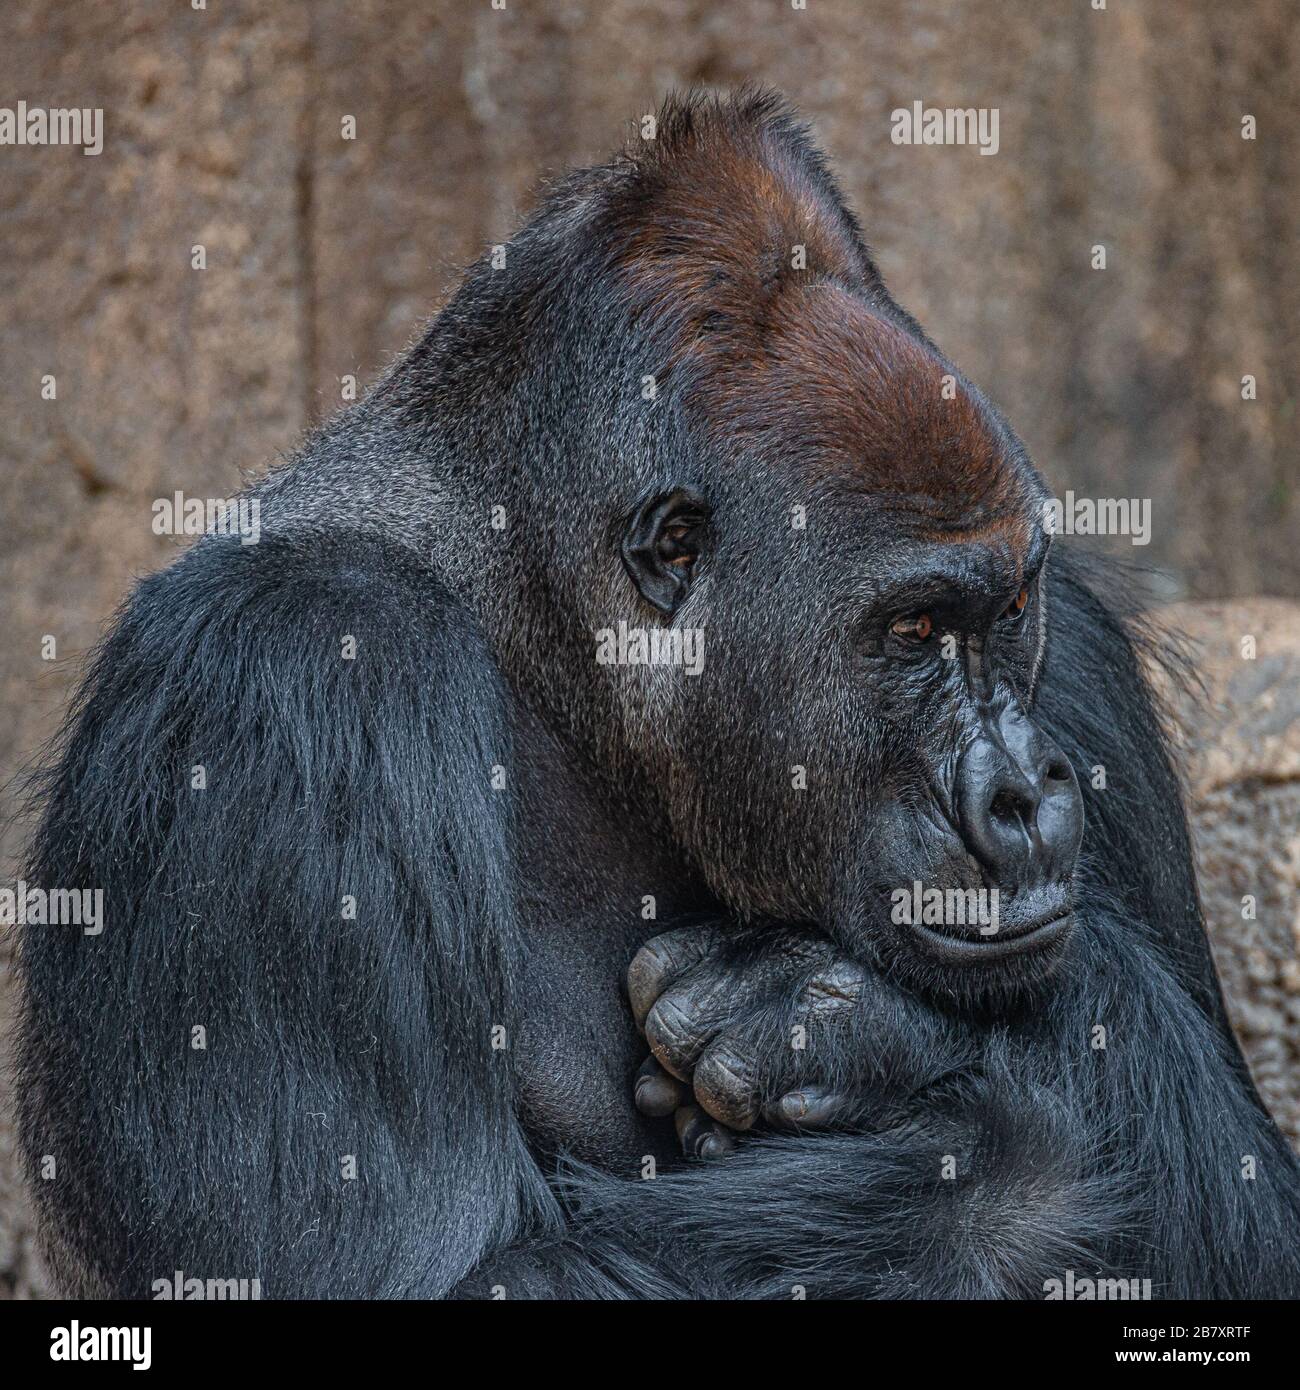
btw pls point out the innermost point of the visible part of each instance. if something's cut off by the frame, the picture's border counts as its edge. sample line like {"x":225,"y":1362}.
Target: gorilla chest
{"x":577,"y":1053}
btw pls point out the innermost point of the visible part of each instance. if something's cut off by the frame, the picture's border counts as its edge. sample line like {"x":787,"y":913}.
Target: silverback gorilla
{"x":433,"y":939}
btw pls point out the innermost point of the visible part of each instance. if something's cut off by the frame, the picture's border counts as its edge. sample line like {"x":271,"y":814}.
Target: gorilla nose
{"x":1019,"y":808}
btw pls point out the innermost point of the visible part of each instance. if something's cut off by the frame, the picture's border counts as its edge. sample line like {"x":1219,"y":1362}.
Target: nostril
{"x":1006,"y":806}
{"x":1058,"y":771}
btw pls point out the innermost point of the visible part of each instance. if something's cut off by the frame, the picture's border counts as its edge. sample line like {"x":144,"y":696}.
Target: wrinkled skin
{"x":775,"y":1028}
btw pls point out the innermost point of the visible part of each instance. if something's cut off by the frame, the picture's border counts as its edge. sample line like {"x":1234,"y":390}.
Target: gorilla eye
{"x":1017,"y":606}
{"x":914,"y":629}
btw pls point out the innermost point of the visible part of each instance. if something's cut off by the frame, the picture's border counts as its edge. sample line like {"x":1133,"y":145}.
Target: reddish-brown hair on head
{"x":854,"y":397}
{"x":728,"y":206}
{"x":737,"y":253}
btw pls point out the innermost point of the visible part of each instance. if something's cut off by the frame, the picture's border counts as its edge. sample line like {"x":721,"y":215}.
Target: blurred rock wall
{"x":224,"y":126}
{"x":1240,"y":739}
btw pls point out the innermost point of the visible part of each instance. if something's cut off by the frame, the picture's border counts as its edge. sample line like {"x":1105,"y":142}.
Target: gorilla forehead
{"x":736,"y":254}
{"x":842,"y":401}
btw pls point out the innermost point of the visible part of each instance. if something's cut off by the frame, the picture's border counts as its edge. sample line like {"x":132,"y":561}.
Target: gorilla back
{"x":379,"y":830}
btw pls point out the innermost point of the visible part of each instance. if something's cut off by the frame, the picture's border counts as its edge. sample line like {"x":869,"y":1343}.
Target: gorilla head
{"x":866,"y":567}
{"x":751,"y":449}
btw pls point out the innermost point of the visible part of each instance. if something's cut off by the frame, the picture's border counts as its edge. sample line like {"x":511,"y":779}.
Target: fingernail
{"x":795,"y":1105}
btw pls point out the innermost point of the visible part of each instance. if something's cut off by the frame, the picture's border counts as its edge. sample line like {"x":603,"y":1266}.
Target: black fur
{"x":517,"y":908}
{"x":224,"y":909}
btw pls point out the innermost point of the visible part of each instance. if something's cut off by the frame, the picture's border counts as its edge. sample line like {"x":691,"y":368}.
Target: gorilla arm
{"x":277,"y":1059}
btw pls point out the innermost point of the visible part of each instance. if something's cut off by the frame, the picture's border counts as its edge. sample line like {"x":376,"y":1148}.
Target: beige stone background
{"x":1119,"y":127}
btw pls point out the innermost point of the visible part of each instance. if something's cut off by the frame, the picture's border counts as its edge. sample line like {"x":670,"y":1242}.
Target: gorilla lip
{"x":1031,"y":936}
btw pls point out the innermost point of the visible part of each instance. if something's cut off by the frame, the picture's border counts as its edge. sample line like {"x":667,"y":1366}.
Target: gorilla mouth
{"x":1037,"y":921}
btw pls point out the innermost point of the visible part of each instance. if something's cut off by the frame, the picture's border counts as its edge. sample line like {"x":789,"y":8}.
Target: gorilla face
{"x":866,"y":568}
{"x":867,"y":708}
{"x":982,"y":815}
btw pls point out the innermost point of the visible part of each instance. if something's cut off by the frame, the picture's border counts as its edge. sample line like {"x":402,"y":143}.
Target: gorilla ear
{"x":661,"y":545}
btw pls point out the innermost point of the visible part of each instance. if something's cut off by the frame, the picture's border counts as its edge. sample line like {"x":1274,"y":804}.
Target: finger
{"x":655,"y":1092}
{"x":810,"y":1107}
{"x":829,"y":1000}
{"x":742,"y":1067}
{"x":686,"y":1019}
{"x":726,"y":1081}
{"x":683,"y":1022}
{"x":823,"y":1012}
{"x":661,"y":962}
{"x":700,"y":1136}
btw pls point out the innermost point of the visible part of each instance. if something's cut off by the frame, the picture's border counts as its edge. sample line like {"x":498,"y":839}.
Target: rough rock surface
{"x":1242,"y":747}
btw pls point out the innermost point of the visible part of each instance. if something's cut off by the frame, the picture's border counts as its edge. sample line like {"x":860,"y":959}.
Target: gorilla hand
{"x":771,"y":1025}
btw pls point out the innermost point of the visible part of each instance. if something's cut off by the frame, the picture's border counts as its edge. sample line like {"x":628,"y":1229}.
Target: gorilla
{"x":465,"y":938}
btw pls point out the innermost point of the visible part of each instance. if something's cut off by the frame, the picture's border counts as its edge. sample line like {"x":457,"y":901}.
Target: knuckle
{"x":652,"y":973}
{"x":653,"y":969}
{"x":668,"y":949}
{"x":648,"y":964}
{"x":838,"y":986}
{"x":669,"y":1031}
{"x":726,"y":1086}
